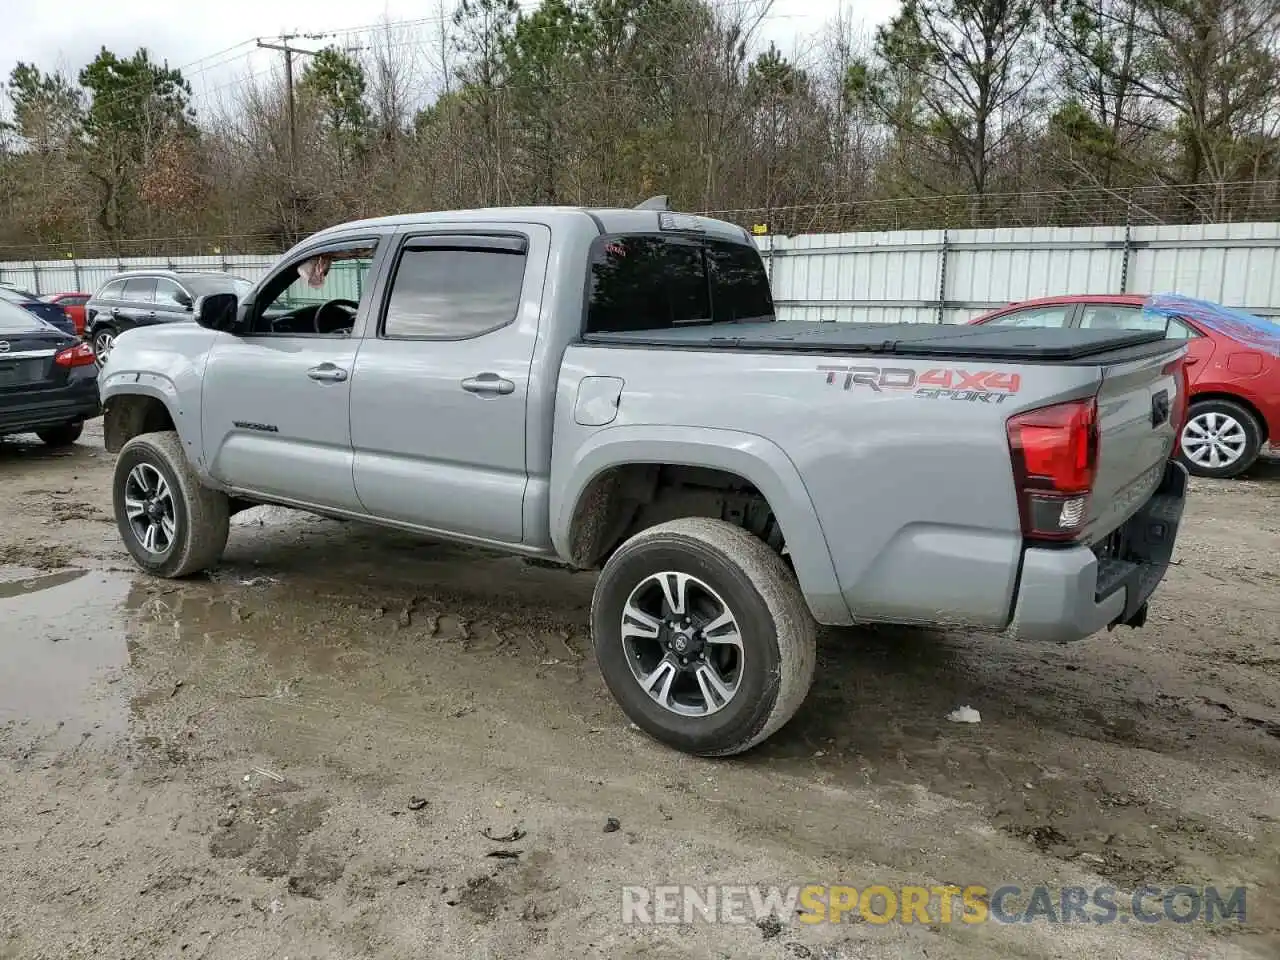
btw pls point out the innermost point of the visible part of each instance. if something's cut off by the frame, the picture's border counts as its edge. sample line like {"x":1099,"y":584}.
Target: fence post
{"x":75,"y":272}
{"x":1128,"y":241}
{"x":942,"y":277}
{"x":35,"y":278}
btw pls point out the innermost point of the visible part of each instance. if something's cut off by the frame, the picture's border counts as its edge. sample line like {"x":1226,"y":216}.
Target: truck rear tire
{"x":703,"y":636}
{"x":171,"y":524}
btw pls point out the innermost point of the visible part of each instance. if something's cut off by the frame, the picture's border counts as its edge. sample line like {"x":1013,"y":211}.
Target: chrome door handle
{"x":327,"y":373}
{"x":489,"y":384}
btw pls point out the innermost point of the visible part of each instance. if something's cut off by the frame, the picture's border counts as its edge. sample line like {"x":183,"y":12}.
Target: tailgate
{"x":1137,"y":406}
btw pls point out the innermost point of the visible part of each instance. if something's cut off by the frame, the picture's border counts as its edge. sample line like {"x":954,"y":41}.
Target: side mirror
{"x":184,"y":301}
{"x":217,"y":311}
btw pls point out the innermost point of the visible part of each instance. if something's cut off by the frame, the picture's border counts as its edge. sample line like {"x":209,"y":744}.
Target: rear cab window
{"x":660,"y":281}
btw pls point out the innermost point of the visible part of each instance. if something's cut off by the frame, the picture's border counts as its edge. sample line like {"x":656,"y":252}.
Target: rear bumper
{"x":26,"y":414}
{"x":1071,"y":593}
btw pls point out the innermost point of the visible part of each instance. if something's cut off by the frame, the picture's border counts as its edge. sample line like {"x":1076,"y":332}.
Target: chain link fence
{"x":1158,"y":205}
{"x":1256,"y":201}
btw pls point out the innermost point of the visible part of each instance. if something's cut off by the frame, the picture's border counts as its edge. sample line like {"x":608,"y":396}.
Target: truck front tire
{"x":703,"y":636}
{"x":171,"y":524}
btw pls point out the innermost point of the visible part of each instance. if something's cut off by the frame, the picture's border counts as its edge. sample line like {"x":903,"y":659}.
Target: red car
{"x":73,"y":303}
{"x":1235,"y":388}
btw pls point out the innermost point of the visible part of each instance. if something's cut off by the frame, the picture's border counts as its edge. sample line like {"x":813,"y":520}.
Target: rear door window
{"x":454,"y":292}
{"x":140,"y":290}
{"x":656,"y":282}
{"x":171,"y":296}
{"x":1118,"y":316}
{"x":1106,"y":316}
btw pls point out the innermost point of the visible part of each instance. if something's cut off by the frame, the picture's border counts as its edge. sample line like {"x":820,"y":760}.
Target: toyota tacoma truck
{"x":611,"y":389}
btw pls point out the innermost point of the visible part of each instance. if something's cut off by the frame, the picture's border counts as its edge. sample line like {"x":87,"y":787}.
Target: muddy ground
{"x":299,"y":756}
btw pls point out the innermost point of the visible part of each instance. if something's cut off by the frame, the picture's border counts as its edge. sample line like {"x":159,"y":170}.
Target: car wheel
{"x":703,"y":636}
{"x":63,"y":436}
{"x":104,"y":339}
{"x":171,"y":524}
{"x":1220,"y":439}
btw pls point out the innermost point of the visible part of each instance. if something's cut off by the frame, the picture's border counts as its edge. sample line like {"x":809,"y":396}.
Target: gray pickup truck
{"x":609,"y":388}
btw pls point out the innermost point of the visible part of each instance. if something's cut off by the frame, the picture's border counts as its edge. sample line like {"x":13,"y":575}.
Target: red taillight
{"x":1055,"y":459}
{"x":81,"y":355}
{"x":1178,"y":414}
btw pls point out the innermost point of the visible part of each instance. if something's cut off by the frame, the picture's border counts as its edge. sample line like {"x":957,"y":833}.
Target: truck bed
{"x":1010,"y":344}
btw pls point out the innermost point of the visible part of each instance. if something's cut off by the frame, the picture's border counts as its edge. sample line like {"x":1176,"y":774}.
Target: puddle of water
{"x":30,"y":585}
{"x":62,"y":644}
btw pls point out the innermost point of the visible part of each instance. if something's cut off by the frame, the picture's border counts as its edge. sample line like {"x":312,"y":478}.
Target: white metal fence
{"x":88,"y":276}
{"x":914,"y":276}
{"x":953,"y":276}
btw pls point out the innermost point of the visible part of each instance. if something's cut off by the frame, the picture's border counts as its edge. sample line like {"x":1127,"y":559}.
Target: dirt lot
{"x":298,"y":756}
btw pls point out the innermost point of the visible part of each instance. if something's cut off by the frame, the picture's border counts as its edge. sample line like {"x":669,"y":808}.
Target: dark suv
{"x":140,"y":298}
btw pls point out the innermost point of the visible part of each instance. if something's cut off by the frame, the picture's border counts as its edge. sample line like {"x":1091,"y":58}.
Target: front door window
{"x":319,"y":295}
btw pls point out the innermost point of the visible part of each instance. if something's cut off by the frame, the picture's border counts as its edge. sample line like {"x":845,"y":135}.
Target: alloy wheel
{"x":102,"y":345}
{"x":149,"y":507}
{"x":682,"y":644}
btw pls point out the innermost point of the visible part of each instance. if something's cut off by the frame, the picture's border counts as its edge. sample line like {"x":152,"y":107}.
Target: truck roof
{"x":599,"y":219}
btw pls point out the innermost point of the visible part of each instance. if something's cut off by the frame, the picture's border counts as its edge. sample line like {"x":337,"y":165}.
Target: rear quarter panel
{"x":909,"y":479}
{"x":1234,"y":370}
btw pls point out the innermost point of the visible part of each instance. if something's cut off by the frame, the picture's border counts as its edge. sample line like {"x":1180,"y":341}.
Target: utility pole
{"x":288,"y":51}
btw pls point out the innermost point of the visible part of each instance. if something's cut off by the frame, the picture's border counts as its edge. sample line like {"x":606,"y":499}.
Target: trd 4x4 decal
{"x":985,"y":386}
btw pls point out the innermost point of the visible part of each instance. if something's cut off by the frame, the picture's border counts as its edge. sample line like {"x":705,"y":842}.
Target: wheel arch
{"x":148,"y":405}
{"x":605,"y":472}
{"x":1238,"y":400}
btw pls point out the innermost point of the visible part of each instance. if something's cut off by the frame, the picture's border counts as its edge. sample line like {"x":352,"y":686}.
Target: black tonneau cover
{"x":982,"y":342}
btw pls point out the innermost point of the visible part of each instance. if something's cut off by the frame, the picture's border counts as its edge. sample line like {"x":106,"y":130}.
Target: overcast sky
{"x":68,"y":33}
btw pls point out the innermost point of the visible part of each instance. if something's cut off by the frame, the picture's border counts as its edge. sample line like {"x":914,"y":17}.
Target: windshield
{"x":14,"y":319}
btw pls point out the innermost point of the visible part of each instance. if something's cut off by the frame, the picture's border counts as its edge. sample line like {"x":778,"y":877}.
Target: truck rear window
{"x":656,"y":281}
